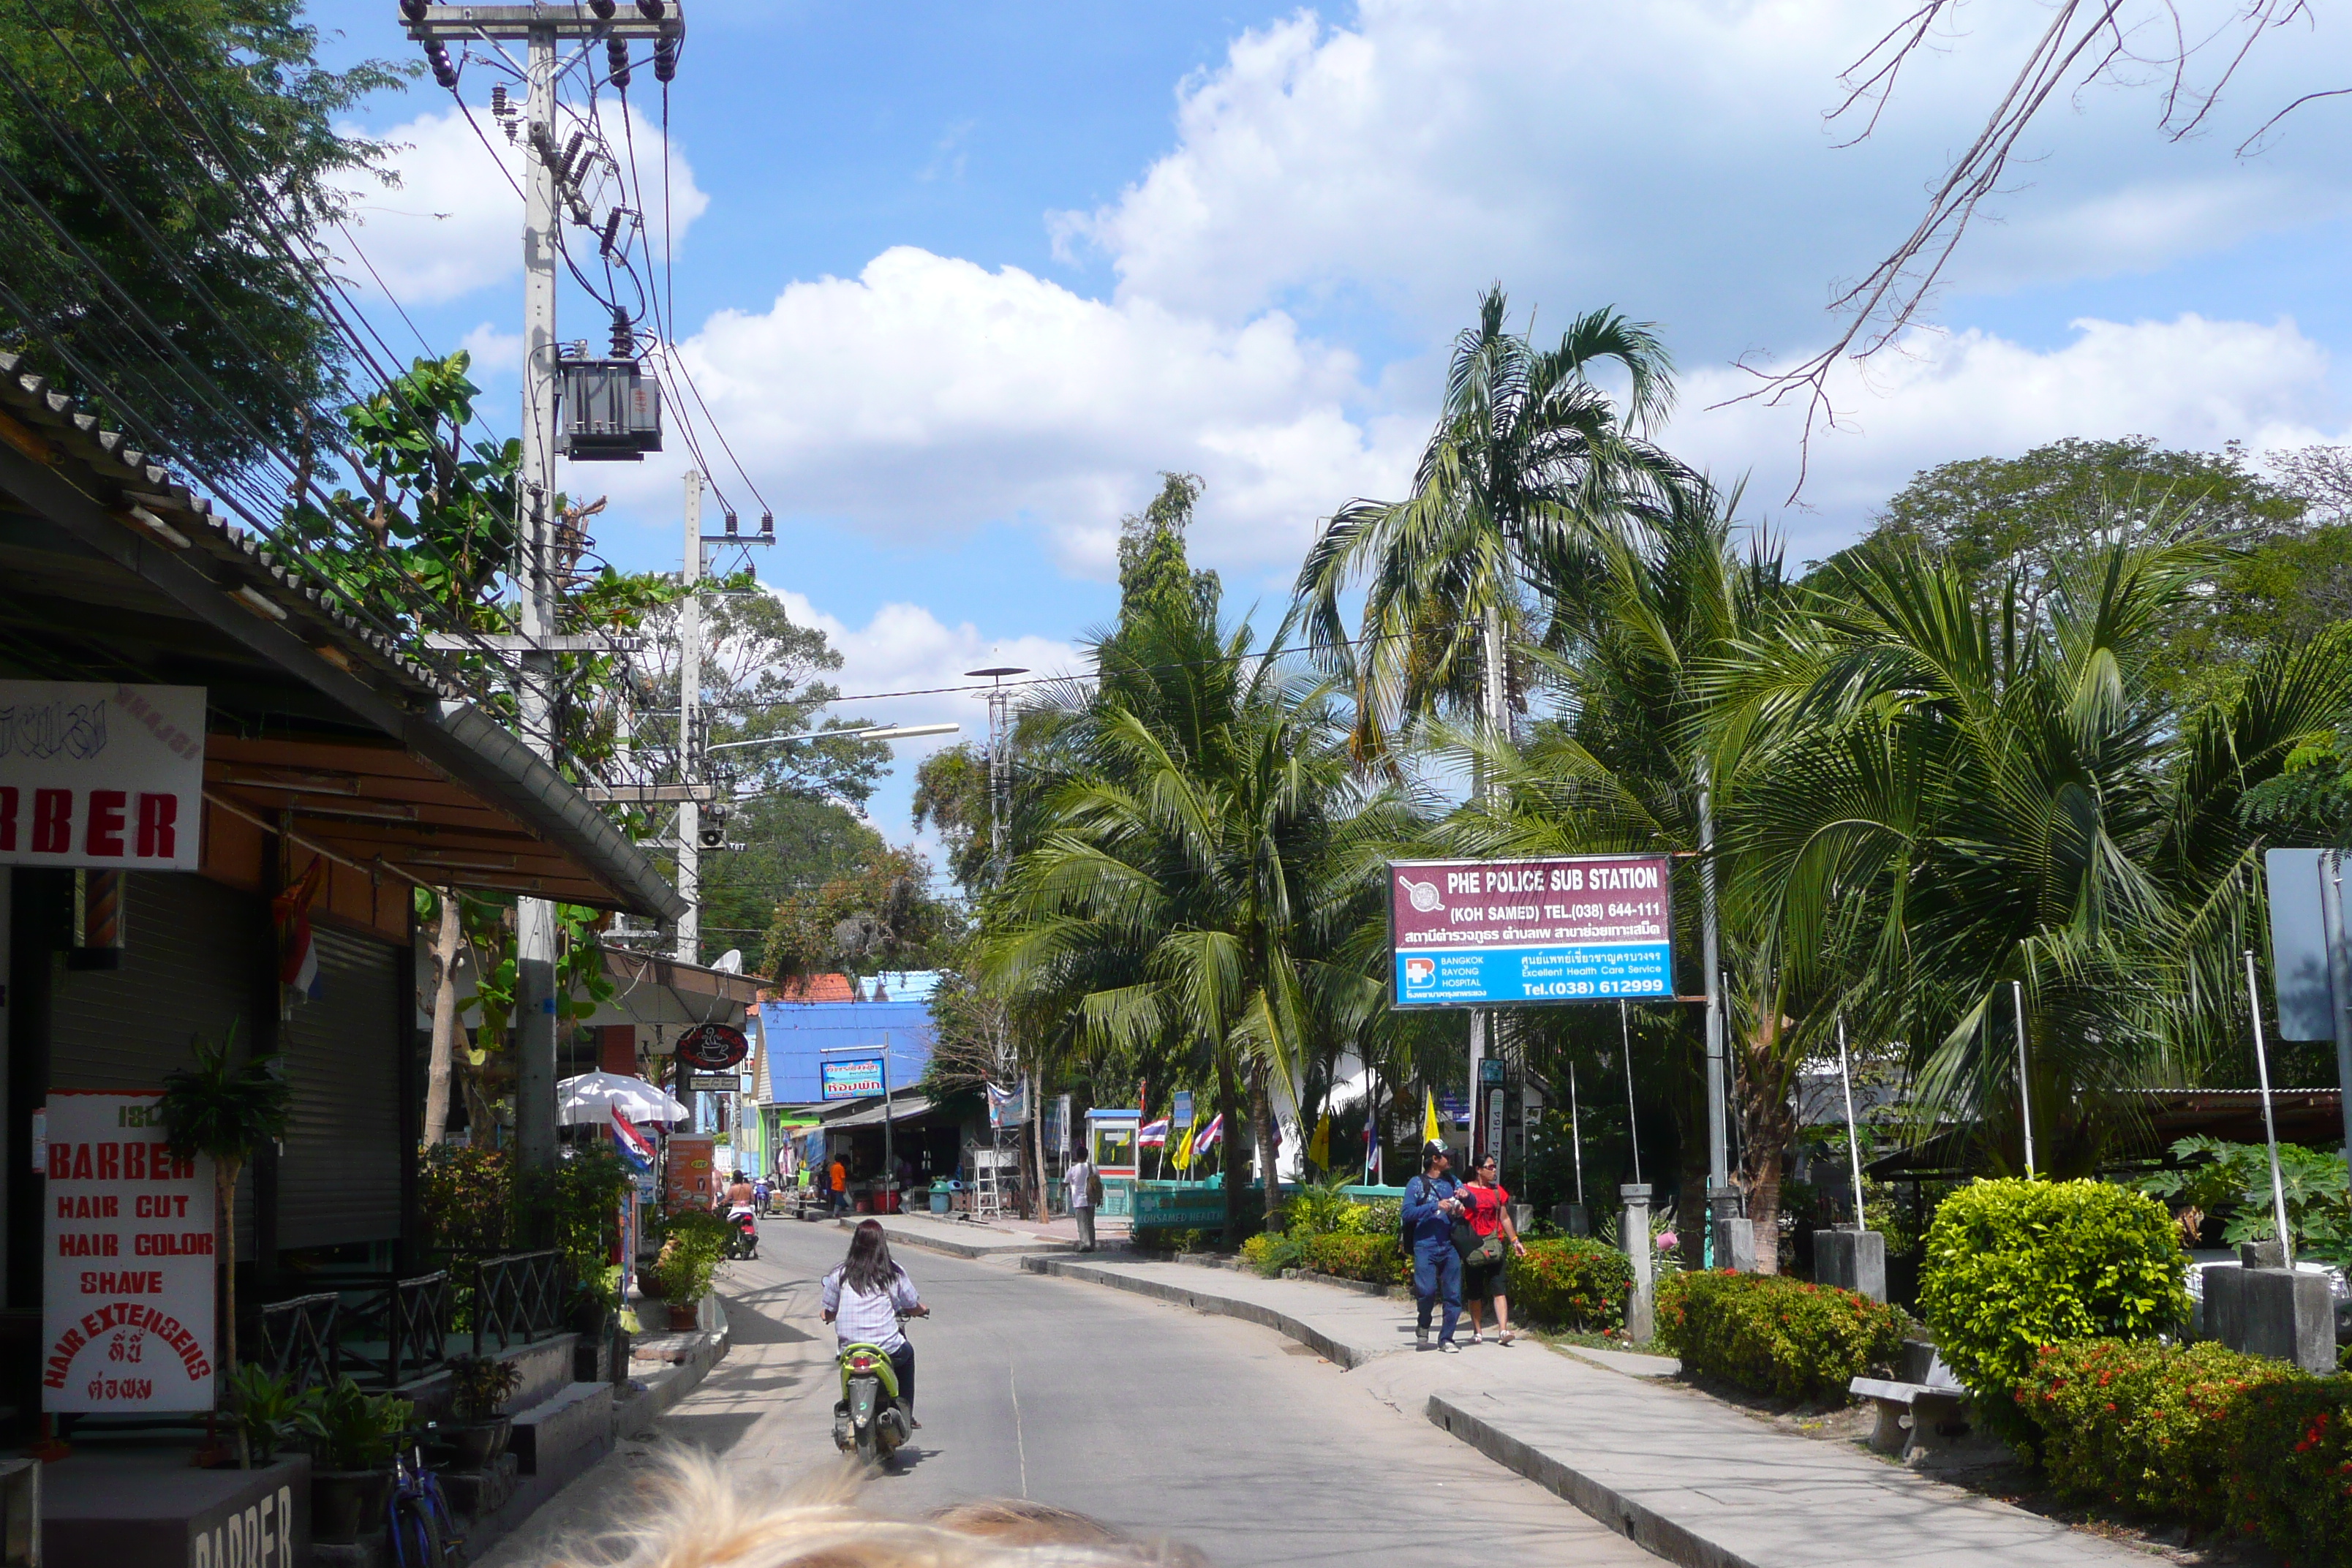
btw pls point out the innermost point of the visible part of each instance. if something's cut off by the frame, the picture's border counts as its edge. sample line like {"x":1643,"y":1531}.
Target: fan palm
{"x":1965,"y":798}
{"x":1530,"y":465}
{"x":1189,"y":874}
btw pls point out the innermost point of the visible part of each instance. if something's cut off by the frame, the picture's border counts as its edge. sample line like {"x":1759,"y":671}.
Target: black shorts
{"x":1482,"y":1281}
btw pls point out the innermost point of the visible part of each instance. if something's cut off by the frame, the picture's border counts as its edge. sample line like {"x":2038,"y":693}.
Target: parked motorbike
{"x":870,"y":1420}
{"x":744,"y":1243}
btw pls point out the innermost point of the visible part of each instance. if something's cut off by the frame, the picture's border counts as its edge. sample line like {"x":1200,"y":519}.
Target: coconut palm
{"x":1962,"y":795}
{"x":1530,"y":464}
{"x":1189,"y":875}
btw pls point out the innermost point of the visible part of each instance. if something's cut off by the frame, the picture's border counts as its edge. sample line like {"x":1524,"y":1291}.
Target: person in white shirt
{"x":1078,"y":1182}
{"x":864,"y":1299}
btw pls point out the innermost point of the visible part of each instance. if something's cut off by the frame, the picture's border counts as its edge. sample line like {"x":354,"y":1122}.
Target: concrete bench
{"x":1911,"y":1415}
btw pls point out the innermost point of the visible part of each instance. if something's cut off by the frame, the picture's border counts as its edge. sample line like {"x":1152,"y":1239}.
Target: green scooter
{"x":869,"y":1419}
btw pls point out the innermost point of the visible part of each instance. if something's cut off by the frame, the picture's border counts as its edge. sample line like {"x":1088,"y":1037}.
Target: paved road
{"x":1156,"y":1418}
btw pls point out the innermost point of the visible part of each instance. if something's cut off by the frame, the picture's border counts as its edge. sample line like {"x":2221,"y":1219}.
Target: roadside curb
{"x":954,"y":1248}
{"x":1337,"y":1351}
{"x":1642,"y":1526}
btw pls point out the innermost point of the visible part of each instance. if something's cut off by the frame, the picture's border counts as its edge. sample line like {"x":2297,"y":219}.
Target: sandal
{"x":1504,"y":1339}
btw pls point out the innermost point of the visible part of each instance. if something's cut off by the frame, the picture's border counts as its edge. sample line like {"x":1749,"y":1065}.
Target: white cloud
{"x":927,"y":396}
{"x":496,"y":355}
{"x":1669,"y":157}
{"x":454,"y":223}
{"x":2189,"y":382}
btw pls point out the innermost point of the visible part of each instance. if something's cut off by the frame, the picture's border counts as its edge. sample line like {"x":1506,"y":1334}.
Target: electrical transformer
{"x":610,"y":411}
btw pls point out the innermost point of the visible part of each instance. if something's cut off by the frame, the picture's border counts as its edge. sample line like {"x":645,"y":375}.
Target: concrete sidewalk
{"x":959,"y":1239}
{"x":1679,"y":1473}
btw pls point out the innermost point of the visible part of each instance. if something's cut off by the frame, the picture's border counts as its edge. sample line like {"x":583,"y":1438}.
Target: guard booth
{"x":1111,"y":1145}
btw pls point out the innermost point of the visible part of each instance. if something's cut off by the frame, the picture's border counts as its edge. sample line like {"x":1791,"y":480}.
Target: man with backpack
{"x":1432,"y":1205}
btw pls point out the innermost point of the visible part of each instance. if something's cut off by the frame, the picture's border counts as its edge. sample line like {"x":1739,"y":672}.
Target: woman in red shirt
{"x":1486,"y":1210}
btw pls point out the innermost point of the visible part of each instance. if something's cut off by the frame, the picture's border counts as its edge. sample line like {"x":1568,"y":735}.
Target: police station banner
{"x":1476,"y":933}
{"x":97,"y":774}
{"x":127,"y":1290}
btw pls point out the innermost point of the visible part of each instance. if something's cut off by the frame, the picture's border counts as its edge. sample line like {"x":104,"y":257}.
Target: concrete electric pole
{"x":689,"y":729}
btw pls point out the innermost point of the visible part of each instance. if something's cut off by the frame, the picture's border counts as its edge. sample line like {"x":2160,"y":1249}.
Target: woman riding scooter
{"x":865,"y":1299}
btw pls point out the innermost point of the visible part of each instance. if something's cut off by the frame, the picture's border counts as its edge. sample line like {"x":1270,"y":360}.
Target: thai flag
{"x":1154,"y":1136}
{"x":1211,"y":1134}
{"x":633,"y":1146}
{"x":297,"y":956}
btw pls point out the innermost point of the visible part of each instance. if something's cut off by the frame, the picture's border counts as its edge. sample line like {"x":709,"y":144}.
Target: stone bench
{"x":1911,"y":1415}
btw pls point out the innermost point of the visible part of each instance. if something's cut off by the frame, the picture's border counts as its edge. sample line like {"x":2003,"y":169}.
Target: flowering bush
{"x":2013,"y":1266}
{"x":1571,"y":1283}
{"x":1272,"y":1251}
{"x":2290,"y":1473}
{"x":1374,"y":1258}
{"x":1772,"y":1335}
{"x":2140,"y":1424}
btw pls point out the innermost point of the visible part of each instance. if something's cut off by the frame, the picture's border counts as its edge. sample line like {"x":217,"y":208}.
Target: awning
{"x":657,"y":990}
{"x":912,"y":1108}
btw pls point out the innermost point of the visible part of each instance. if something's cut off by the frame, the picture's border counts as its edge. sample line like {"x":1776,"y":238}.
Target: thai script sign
{"x":1478,"y":933}
{"x":853,"y":1079}
{"x":127,"y":1284}
{"x":93,"y":773}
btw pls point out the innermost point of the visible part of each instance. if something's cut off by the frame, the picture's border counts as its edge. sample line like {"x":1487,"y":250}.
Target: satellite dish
{"x":730,"y":961}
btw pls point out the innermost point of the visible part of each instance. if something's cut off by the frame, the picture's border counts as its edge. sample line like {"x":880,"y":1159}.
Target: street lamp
{"x":871,"y":732}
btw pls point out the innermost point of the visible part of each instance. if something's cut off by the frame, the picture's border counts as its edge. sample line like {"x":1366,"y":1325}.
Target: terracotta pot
{"x":685,"y":1317}
{"x":345,"y":1502}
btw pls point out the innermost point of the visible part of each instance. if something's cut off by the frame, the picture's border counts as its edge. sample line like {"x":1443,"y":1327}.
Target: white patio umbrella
{"x":591,"y":1097}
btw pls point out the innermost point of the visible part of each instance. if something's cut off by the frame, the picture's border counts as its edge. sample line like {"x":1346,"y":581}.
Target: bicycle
{"x":422,"y":1527}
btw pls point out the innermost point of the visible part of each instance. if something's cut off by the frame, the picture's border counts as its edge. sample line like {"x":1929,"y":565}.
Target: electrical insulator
{"x":730,"y":525}
{"x":414,"y":9}
{"x":616,"y":62}
{"x":437,"y":57}
{"x":601,"y":9}
{"x":571,"y":151}
{"x":664,"y":54}
{"x":612,"y":230}
{"x":768,"y":526}
{"x":651,"y":9}
{"x":499,"y":110}
{"x":624,"y":338}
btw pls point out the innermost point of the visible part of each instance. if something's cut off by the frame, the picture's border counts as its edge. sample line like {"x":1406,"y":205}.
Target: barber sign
{"x":98,"y":774}
{"x":126,"y":1283}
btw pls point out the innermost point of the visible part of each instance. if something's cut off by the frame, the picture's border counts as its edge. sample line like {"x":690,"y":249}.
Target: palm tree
{"x":1188,"y":880}
{"x":1531,"y":465}
{"x":1959,"y":796}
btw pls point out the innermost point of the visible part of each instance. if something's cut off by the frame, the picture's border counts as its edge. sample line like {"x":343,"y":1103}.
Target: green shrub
{"x":1772,"y":1335}
{"x":2291,"y":1478}
{"x":1571,"y":1283}
{"x":1174,"y":1238}
{"x":1373,"y":1258}
{"x":1318,"y":1211}
{"x":1377,"y":1216}
{"x":1271,"y":1252}
{"x":2141,"y":1424}
{"x":2014,"y":1265}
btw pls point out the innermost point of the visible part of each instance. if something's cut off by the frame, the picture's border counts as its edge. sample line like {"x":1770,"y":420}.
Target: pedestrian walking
{"x":1431,"y":1204}
{"x":1492,"y":1240}
{"x":838,"y":1180}
{"x":1084,"y":1184}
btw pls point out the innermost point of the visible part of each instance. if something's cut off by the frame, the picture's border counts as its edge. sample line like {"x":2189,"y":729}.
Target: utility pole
{"x":1000,"y":795}
{"x":1723,"y":1205}
{"x":689,"y":729}
{"x":540,"y":29}
{"x":1494,"y":694}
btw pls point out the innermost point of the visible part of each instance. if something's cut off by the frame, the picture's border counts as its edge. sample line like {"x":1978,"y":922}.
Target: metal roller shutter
{"x":338,"y":1179}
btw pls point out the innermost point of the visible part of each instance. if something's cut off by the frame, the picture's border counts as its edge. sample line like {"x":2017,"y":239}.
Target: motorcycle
{"x":743,"y":1243}
{"x":870,"y":1420}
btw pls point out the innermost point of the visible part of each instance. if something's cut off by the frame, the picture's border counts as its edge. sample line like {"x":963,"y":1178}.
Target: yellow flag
{"x":1430,"y":1132}
{"x":1183,"y":1158}
{"x":1318,"y":1148}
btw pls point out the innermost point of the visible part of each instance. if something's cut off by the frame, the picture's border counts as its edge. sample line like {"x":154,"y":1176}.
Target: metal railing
{"x":396,"y":1330}
{"x":518,"y":1298}
{"x":297,"y":1339}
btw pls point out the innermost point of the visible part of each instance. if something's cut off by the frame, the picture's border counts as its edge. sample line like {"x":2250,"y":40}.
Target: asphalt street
{"x":1155,"y":1418}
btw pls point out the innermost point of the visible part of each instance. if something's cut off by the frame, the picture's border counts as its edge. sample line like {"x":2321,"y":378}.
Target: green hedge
{"x":2201,"y":1435}
{"x":2014,"y":1265}
{"x":1772,"y":1335}
{"x":1270,"y":1252}
{"x":1374,"y":1258}
{"x":1572,"y":1283}
{"x":2140,"y":1424}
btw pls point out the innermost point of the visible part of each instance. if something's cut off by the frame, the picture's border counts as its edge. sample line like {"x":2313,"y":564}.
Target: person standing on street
{"x":838,"y":1180}
{"x":1432,"y":1204}
{"x":1486,"y":1210}
{"x":1079,"y":1182}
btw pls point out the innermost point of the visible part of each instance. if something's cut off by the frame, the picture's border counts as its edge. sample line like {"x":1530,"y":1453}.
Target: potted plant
{"x":268,"y":1412}
{"x":479,"y":1385}
{"x":689,"y":1257}
{"x":358,"y":1435}
{"x":225,"y":1113}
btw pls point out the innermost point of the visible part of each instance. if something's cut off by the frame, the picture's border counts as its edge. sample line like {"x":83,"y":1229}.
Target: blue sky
{"x":959,"y":279}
